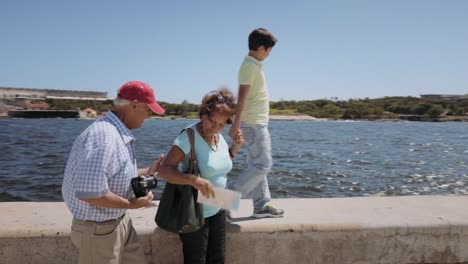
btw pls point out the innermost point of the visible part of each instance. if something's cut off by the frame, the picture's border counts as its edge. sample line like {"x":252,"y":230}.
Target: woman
{"x":214,"y":160}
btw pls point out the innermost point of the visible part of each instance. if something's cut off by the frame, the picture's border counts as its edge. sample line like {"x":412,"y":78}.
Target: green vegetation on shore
{"x":411,"y":108}
{"x":389,"y":108}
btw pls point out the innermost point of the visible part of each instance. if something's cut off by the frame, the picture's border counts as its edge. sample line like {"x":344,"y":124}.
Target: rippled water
{"x":311,"y":159}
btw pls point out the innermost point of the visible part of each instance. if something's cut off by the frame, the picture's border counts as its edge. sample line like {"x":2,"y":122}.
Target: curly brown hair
{"x":219,"y":101}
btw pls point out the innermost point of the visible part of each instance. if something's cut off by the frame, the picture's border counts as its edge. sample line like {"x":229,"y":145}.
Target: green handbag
{"x":178,"y":210}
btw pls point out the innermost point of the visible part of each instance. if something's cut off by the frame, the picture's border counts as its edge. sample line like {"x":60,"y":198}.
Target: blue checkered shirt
{"x":102,"y":160}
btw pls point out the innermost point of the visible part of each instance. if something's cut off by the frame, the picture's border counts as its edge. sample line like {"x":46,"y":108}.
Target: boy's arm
{"x":241,"y":98}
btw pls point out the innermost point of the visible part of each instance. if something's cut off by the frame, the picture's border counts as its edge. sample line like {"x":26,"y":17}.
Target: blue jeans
{"x":259,"y":162}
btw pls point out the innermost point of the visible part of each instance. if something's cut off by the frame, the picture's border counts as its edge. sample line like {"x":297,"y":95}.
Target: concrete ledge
{"x":409,"y":229}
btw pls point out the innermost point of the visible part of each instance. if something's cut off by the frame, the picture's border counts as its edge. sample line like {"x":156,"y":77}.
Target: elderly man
{"x":96,"y":182}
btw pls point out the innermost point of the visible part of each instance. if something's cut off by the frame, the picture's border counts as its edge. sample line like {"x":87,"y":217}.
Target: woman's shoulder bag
{"x":178,"y":210}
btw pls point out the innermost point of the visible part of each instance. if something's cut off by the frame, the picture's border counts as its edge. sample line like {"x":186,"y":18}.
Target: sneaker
{"x":268,"y":211}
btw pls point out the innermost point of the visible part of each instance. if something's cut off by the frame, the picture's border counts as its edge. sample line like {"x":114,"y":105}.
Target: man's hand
{"x":141,"y":201}
{"x":111,"y":200}
{"x":156,"y":165}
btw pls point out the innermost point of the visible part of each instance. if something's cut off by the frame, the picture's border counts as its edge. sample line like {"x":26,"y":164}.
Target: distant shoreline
{"x":394,"y":109}
{"x":297,"y":117}
{"x":272,"y":117}
{"x":305,"y":118}
{"x":311,"y":118}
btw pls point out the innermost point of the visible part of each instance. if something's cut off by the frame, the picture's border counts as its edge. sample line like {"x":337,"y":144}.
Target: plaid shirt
{"x":102,"y":160}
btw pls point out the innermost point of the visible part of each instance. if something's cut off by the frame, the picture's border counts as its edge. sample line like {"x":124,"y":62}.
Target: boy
{"x":253,"y":107}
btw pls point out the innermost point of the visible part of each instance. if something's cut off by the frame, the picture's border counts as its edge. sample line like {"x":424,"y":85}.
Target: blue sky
{"x":183,"y":49}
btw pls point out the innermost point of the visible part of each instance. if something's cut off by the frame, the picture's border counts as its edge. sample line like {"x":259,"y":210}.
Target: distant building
{"x":40,"y":106}
{"x":447,"y":97}
{"x":13,"y":93}
{"x":31,"y":103}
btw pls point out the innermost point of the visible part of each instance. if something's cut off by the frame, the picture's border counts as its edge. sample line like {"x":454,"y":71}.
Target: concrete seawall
{"x":410,"y":229}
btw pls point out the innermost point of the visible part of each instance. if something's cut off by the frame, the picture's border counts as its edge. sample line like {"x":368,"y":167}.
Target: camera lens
{"x":142,"y":184}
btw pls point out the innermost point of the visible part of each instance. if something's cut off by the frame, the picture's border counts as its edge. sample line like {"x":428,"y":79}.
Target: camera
{"x":141,"y":185}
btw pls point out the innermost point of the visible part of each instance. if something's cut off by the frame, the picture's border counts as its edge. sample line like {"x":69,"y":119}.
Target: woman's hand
{"x":204,"y":186}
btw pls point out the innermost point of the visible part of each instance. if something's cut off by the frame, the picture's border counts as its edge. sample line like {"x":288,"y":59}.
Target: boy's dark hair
{"x":261,"y":37}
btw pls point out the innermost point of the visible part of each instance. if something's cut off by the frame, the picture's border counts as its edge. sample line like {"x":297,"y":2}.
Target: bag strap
{"x":193,"y":154}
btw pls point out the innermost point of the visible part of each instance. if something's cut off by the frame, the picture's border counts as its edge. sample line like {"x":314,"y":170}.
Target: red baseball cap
{"x":141,"y":92}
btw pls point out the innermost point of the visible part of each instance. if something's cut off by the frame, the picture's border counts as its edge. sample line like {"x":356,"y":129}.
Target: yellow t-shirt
{"x":257,"y":105}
